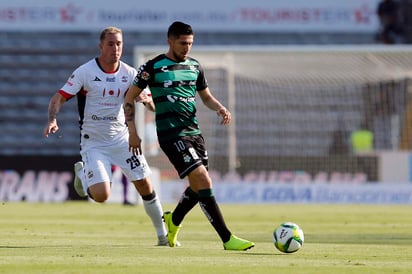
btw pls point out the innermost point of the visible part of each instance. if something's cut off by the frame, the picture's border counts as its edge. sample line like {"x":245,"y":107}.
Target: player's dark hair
{"x":179,"y":28}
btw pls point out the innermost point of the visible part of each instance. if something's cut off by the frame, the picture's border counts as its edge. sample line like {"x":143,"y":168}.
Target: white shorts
{"x":98,"y":163}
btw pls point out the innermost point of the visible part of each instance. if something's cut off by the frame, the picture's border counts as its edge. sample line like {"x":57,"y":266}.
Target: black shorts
{"x":186,"y":153}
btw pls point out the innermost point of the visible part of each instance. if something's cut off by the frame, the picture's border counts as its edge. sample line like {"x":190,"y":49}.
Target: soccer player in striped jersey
{"x":174,"y":78}
{"x":100,"y":85}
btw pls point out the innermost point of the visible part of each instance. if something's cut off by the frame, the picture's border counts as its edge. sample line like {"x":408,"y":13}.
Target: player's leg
{"x":153,"y":207}
{"x":200,"y":190}
{"x":98,"y":170}
{"x":137,"y":170}
{"x":199,"y":179}
{"x":185,"y":159}
{"x":173,"y":220}
{"x":178,"y":152}
{"x":94,"y":172}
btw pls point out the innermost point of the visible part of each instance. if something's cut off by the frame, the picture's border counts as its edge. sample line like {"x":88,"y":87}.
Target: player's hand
{"x":147,"y":100}
{"x":144,"y":98}
{"x":226,"y":116}
{"x":51,"y":127}
{"x":135,"y":144}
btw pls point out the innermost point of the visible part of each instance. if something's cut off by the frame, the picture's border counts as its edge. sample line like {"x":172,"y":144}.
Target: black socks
{"x":209,"y":207}
{"x":188,"y":200}
{"x":212,"y":211}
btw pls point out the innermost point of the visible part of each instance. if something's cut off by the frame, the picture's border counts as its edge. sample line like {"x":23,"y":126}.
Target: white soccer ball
{"x":288,"y":237}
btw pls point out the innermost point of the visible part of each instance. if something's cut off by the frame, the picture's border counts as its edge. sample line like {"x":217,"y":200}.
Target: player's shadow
{"x":263,"y":254}
{"x":11,"y":247}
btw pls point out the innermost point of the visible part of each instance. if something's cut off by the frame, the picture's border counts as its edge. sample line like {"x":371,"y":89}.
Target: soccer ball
{"x":288,"y":237}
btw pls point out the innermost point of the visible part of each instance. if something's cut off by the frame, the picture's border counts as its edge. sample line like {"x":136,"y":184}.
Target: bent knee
{"x":99,"y":192}
{"x":199,"y":179}
{"x":99,"y":199}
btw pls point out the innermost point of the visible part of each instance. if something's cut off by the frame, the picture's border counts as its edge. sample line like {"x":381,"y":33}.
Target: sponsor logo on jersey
{"x":167,"y":83}
{"x":97,"y":79}
{"x":104,"y":118}
{"x":173,"y":99}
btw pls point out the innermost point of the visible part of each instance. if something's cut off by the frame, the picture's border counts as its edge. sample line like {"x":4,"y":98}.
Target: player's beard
{"x":179,"y":57}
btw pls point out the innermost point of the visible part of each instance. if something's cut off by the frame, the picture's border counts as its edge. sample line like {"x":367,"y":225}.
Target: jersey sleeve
{"x":66,"y":95}
{"x":143,"y":76}
{"x":74,"y":84}
{"x":201,"y":82}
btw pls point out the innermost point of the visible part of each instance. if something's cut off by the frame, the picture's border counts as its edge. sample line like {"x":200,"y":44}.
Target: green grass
{"x":79,"y":237}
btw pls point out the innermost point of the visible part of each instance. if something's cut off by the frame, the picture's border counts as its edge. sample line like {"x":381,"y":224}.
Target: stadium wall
{"x":299,"y":16}
{"x":48,"y":179}
{"x":35,"y":178}
{"x":300,"y":193}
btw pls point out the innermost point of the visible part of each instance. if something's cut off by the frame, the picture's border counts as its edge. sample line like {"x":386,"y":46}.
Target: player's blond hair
{"x":109,"y":30}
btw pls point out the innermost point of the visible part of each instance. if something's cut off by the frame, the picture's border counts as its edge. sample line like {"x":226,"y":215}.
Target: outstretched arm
{"x":55,"y":105}
{"x":129,"y":111}
{"x":212,"y":103}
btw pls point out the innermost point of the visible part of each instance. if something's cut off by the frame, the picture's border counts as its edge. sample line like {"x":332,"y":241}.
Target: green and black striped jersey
{"x":173,"y":86}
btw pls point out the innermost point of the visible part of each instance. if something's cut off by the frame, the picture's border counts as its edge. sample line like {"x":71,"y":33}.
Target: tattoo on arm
{"x":129,"y":112}
{"x":52,"y":112}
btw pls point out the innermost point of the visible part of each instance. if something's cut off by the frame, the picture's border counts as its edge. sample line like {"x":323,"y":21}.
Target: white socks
{"x":154,"y":209}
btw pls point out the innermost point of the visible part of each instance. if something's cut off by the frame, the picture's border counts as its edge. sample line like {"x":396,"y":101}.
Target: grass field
{"x":79,"y":237}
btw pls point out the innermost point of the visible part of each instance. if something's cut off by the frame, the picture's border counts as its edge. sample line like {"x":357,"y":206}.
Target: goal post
{"x":295,"y":108}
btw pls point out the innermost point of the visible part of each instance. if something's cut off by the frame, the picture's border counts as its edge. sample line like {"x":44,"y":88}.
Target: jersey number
{"x":180,"y":146}
{"x":134,"y":162}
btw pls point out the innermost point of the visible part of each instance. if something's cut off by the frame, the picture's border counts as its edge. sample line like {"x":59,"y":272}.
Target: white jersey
{"x":101,"y":97}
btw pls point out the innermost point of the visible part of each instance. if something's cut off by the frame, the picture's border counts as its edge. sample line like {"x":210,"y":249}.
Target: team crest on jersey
{"x":68,"y":82}
{"x":90,"y":174}
{"x":124,"y":79}
{"x":70,"y":78}
{"x":144,"y":75}
{"x":186,"y":158}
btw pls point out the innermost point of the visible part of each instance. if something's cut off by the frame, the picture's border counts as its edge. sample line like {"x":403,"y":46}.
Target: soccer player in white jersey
{"x":100,"y":85}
